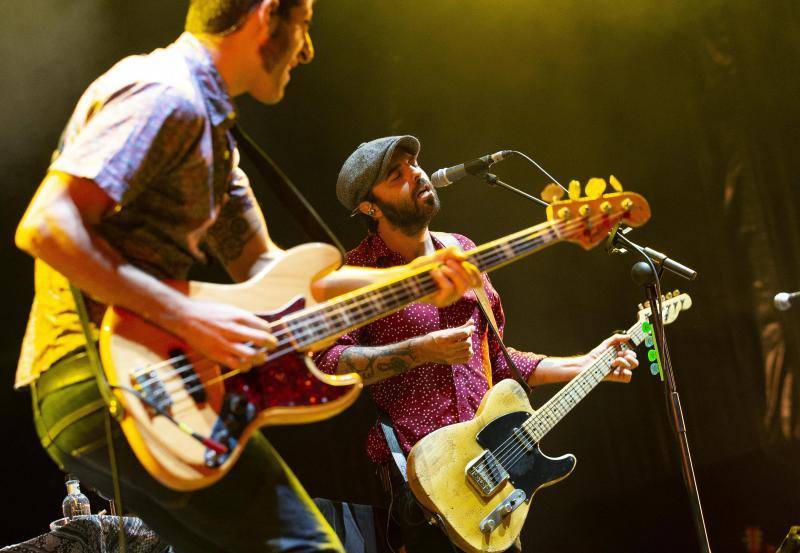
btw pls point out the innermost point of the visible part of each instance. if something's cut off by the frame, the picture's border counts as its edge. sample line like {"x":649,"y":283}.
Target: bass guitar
{"x":187,"y":418}
{"x":480,"y":476}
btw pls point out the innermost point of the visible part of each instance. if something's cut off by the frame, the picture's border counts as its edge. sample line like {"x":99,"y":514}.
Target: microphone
{"x":785,"y":300}
{"x":477,"y":167}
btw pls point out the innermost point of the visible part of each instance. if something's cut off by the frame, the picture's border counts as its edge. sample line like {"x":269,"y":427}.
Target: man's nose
{"x":307,"y":53}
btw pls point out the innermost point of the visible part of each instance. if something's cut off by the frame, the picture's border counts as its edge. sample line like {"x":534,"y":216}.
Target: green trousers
{"x":258,"y":506}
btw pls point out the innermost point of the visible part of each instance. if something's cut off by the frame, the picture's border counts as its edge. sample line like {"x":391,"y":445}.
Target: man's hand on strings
{"x":225,"y":334}
{"x":624,"y":362}
{"x":454,"y":276}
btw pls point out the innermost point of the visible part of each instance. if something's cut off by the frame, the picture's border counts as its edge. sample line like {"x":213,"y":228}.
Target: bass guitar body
{"x":187,"y":418}
{"x":481,"y":475}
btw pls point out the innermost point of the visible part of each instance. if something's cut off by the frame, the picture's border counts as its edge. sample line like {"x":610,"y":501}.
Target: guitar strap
{"x":114,"y":410}
{"x":394,"y":446}
{"x":286,"y":192}
{"x":114,"y":406}
{"x":483,"y":303}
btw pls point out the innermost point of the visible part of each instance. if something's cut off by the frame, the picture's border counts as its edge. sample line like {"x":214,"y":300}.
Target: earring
{"x":371,"y":212}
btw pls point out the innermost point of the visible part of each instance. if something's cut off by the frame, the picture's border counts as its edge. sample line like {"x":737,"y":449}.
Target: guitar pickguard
{"x":531,"y":469}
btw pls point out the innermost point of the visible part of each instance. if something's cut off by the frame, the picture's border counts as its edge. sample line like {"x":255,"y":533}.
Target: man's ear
{"x":267,"y":13}
{"x":369,"y":209}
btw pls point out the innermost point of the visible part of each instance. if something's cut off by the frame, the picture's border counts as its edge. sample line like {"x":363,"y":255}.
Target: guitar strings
{"x":317,"y":323}
{"x":509,"y":452}
{"x":533,"y":242}
{"x":495,"y":255}
{"x":541,"y":419}
{"x":333,"y":305}
{"x":526,"y":243}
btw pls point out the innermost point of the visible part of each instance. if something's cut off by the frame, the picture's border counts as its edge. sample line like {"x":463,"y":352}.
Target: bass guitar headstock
{"x":587,"y":220}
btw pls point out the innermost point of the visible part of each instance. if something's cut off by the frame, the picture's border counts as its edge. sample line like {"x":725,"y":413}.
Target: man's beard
{"x":411,"y":218}
{"x":273,"y":51}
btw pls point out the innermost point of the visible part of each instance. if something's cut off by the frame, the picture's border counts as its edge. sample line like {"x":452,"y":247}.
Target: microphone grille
{"x":439,"y":178}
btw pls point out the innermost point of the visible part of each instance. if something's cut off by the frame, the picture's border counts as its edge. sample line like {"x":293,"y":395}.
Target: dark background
{"x":692,"y":104}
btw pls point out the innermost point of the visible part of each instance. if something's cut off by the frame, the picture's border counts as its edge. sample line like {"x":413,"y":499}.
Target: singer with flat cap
{"x":429,"y":367}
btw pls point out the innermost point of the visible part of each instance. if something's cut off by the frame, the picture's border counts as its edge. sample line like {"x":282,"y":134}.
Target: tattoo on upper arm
{"x":377,"y":362}
{"x":233,"y":229}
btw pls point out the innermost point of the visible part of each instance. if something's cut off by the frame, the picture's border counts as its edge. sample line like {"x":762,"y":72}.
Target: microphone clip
{"x":617,"y":240}
{"x":613,"y":245}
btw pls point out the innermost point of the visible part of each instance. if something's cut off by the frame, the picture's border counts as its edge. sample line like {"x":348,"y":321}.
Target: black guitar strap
{"x":288,"y":194}
{"x":394,"y":446}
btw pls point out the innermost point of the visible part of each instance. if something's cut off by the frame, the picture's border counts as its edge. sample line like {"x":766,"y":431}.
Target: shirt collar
{"x":220,"y":105}
{"x":382,"y":255}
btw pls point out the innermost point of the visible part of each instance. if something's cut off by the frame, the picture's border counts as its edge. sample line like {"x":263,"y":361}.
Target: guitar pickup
{"x":486,"y":474}
{"x":524,"y":439}
{"x":191,"y":381}
{"x":503,"y":509}
{"x":153,"y":391}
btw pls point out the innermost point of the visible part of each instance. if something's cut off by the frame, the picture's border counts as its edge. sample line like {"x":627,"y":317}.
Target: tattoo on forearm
{"x":376,"y":363}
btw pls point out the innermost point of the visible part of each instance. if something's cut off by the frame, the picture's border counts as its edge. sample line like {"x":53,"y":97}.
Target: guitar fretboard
{"x":338,"y":316}
{"x":578,"y":388}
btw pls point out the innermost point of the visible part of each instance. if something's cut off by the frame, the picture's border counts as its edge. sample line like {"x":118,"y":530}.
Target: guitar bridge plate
{"x":503,"y":509}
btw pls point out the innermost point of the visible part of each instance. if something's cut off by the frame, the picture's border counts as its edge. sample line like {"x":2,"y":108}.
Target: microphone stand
{"x":494,"y":181}
{"x":646,"y":274}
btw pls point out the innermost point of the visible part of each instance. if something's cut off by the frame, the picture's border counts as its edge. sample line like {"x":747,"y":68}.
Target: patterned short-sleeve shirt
{"x":432,"y":395}
{"x":154,"y":133}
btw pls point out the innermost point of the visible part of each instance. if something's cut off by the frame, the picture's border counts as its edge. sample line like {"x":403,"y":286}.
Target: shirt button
{"x":226,"y":155}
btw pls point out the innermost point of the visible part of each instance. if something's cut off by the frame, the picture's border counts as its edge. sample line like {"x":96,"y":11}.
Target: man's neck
{"x":410,"y":247}
{"x":224,"y":54}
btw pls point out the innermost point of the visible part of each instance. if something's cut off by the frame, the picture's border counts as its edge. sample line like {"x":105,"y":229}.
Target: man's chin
{"x":269,"y":97}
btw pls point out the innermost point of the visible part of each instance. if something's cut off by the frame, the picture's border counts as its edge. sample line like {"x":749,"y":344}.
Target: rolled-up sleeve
{"x":328,"y":359}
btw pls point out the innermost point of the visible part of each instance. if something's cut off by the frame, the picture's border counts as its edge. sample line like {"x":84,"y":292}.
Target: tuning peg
{"x":615,"y":184}
{"x":676,"y":293}
{"x":552,"y":193}
{"x":669,"y":295}
{"x":574,"y":190}
{"x":595,"y":187}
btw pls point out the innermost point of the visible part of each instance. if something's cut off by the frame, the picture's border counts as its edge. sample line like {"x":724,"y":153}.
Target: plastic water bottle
{"x":75,"y":504}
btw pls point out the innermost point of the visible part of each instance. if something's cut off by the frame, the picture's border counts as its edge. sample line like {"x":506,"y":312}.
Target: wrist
{"x":167,"y":309}
{"x":419,"y":350}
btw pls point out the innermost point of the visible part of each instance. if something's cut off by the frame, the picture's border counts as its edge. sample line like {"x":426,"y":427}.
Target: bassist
{"x":146,"y":184}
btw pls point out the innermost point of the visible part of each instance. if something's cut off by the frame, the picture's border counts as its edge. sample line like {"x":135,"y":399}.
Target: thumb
{"x":468,"y":327}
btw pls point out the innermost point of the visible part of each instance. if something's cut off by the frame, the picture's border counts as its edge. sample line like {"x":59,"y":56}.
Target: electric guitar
{"x":188,"y":419}
{"x":481,"y":475}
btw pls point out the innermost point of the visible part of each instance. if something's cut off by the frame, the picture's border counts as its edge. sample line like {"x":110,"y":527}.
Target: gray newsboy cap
{"x":367,"y":166}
